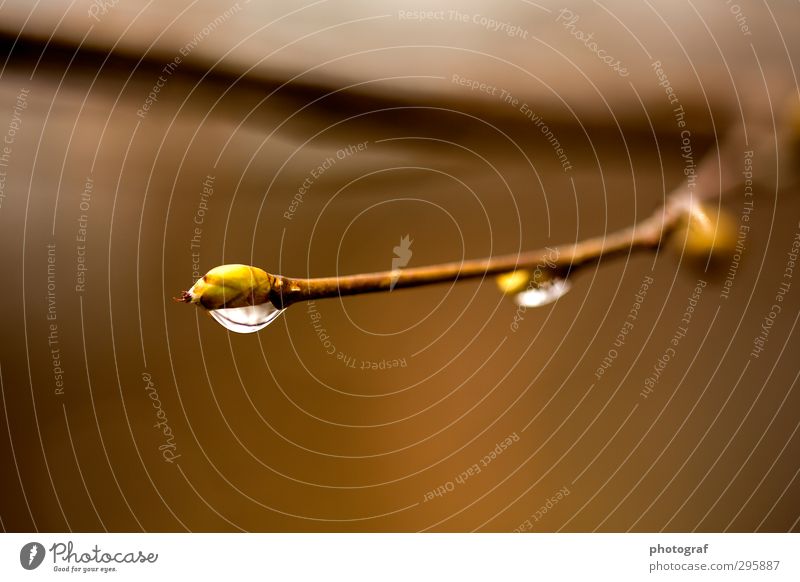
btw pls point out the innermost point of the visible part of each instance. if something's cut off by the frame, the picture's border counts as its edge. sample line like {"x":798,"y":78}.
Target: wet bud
{"x":230,"y":286}
{"x":705,"y":236}
{"x":522,"y":279}
{"x":513,"y":282}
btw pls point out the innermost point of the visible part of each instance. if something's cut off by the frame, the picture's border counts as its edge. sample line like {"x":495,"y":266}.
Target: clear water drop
{"x":248,"y":319}
{"x":543,"y":294}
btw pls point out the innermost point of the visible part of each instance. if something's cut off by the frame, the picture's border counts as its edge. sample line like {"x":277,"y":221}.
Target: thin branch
{"x":559,"y":261}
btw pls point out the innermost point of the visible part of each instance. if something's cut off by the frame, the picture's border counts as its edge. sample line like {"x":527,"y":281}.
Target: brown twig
{"x":560,"y":261}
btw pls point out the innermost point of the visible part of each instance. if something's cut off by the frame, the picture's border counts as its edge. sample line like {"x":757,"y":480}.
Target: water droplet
{"x":544,"y":293}
{"x":248,"y":319}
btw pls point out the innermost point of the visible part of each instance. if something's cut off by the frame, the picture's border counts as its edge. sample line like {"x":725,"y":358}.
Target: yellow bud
{"x":230,"y":286}
{"x":705,"y":233}
{"x":513,"y":282}
{"x":523,"y":279}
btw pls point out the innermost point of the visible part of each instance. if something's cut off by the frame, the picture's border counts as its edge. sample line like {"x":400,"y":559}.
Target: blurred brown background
{"x":270,"y":432}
